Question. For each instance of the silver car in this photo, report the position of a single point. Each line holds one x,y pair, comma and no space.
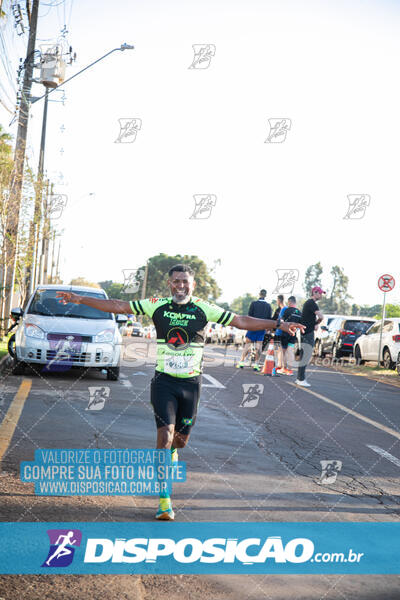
56,337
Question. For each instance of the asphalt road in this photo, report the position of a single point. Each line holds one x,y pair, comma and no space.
249,459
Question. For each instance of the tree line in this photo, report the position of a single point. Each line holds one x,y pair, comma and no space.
336,301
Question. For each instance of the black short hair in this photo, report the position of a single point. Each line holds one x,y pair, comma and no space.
280,297
292,299
182,269
263,292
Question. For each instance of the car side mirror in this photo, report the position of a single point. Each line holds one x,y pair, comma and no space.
17,313
121,319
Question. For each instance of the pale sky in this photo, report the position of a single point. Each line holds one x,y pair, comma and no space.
329,67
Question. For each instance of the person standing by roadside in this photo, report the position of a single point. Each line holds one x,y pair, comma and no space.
277,338
289,313
311,316
259,309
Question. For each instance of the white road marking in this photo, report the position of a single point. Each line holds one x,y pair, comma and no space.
126,383
321,371
388,430
214,383
387,455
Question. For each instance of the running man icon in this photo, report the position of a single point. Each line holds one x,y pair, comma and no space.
64,348
61,553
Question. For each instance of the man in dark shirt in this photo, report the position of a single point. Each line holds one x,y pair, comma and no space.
311,317
280,301
259,309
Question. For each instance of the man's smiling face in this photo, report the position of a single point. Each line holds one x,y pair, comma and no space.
181,285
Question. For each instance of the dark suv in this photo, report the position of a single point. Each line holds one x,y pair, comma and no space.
342,333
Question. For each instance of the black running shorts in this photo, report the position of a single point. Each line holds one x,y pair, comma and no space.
175,401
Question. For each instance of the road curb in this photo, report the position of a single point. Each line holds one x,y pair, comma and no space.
5,363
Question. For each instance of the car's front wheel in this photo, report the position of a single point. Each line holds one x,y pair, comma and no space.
318,350
357,356
387,360
18,366
113,373
11,346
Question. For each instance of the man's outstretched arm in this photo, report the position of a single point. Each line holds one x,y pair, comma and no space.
252,324
119,307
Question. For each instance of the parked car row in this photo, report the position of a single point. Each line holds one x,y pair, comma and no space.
340,334
367,345
136,329
217,334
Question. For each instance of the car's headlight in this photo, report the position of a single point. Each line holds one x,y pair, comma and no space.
34,331
105,336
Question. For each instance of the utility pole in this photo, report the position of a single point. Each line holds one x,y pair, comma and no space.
58,261
38,196
14,202
42,276
53,245
144,285
146,270
46,235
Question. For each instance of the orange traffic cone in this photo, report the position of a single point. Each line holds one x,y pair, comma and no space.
269,363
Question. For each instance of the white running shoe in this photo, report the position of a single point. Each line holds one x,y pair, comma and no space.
303,383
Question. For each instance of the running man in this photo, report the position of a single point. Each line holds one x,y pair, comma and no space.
260,309
180,322
61,549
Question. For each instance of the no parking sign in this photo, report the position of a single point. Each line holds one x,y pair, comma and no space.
386,283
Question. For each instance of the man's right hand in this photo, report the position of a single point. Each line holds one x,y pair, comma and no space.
66,297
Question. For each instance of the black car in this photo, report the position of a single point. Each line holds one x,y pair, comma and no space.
342,333
137,330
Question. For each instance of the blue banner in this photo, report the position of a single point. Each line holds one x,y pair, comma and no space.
211,548
99,472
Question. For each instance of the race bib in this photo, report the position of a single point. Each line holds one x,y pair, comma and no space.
179,364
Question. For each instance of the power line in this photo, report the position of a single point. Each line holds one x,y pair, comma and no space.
4,56
52,5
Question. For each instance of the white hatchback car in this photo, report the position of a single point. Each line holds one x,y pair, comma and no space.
55,336
322,332
367,345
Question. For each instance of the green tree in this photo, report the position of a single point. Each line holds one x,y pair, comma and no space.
369,311
355,309
159,265
105,285
312,278
337,300
224,305
115,291
84,282
391,310
240,305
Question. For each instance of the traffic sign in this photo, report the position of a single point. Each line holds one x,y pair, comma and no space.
386,283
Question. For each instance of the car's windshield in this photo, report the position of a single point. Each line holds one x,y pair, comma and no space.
45,303
357,326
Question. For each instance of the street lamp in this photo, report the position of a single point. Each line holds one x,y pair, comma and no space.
52,72
121,48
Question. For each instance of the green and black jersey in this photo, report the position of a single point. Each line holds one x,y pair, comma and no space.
180,331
